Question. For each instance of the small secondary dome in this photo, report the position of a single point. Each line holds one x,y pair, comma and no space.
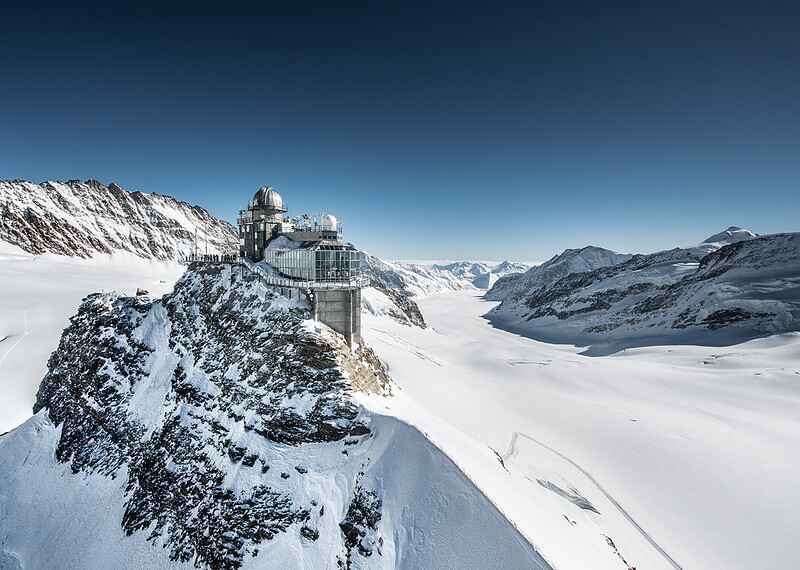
329,222
268,197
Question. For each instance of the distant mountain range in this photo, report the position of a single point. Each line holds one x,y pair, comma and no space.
734,285
87,218
394,285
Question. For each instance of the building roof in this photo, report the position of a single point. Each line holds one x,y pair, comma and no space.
267,197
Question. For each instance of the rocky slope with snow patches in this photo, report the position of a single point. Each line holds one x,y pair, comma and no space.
218,428
83,219
515,285
715,293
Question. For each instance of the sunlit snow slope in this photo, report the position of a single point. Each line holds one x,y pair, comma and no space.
668,456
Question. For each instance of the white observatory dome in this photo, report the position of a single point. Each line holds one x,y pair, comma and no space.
329,222
268,197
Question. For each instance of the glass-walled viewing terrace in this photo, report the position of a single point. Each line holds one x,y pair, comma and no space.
321,264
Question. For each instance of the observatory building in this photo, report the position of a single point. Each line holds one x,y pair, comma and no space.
305,256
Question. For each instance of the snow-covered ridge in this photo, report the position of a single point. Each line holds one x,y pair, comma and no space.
731,235
516,285
83,219
716,293
217,428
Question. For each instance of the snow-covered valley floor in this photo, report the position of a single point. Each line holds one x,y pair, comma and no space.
688,454
659,457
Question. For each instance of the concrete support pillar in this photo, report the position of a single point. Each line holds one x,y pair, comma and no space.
340,309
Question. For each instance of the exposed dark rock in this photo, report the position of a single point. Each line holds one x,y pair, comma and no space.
309,533
217,358
360,524
725,317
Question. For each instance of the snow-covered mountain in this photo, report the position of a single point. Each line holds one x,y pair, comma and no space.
83,219
482,275
219,427
731,235
394,285
516,285
467,270
731,287
508,267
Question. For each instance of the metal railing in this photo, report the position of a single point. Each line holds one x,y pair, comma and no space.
210,258
277,280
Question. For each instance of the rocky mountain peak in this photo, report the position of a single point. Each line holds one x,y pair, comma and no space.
732,234
569,261
83,219
194,391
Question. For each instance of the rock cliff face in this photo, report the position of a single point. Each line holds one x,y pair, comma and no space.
218,428
83,219
710,294
172,389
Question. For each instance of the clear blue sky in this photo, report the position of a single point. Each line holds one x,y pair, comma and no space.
461,130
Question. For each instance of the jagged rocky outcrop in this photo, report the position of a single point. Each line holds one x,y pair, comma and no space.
87,218
715,293
218,427
360,525
171,389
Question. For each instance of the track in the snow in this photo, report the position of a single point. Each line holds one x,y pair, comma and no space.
512,448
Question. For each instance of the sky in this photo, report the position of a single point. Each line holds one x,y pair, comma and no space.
434,130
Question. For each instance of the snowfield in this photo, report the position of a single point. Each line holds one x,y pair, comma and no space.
634,457
682,456
38,294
